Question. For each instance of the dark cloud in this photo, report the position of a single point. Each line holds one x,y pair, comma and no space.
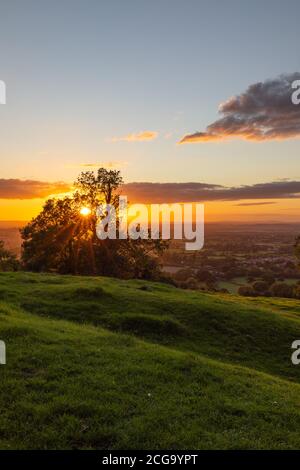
263,112
161,192
167,192
30,189
189,192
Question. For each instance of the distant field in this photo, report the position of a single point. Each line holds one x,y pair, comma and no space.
99,363
233,285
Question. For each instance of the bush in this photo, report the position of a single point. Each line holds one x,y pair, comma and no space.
269,279
281,289
190,283
260,287
205,276
296,291
247,291
183,274
8,260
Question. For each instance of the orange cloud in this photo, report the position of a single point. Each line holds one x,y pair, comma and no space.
138,137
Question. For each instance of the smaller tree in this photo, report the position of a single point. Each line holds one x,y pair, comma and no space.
260,287
8,260
204,275
247,291
281,289
296,291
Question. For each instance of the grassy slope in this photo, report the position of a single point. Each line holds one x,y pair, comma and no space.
179,370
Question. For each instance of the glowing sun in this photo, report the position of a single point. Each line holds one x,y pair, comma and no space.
85,211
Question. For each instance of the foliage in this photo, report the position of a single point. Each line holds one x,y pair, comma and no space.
60,239
247,291
277,289
8,260
281,289
205,276
183,274
297,291
260,286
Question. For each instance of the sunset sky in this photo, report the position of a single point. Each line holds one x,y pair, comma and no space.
164,91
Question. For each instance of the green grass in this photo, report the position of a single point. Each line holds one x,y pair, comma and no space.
99,363
233,285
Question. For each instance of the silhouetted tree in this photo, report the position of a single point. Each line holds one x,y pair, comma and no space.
61,239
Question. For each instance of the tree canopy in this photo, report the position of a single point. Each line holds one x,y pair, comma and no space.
63,240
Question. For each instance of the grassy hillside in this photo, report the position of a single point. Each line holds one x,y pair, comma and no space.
102,363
